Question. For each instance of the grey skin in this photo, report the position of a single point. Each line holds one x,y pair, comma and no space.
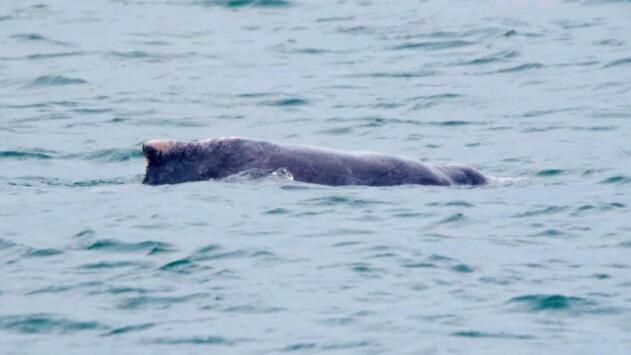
170,162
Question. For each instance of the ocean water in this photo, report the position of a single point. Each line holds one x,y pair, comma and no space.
536,93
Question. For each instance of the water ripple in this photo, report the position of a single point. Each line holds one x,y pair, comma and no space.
244,3
554,303
550,172
129,329
543,211
37,253
141,302
502,335
114,265
197,340
433,45
150,247
56,80
335,200
623,61
617,179
521,68
287,102
25,154
35,37
6,244
31,181
46,324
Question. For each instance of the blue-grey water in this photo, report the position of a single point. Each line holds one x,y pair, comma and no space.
534,92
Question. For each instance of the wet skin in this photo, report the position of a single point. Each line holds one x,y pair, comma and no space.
170,162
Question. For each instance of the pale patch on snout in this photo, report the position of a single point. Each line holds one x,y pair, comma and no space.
160,145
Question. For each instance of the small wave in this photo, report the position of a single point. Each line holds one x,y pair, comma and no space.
252,309
56,80
114,265
615,63
65,288
338,131
282,48
454,218
478,334
300,347
287,102
554,303
441,258
132,54
365,268
125,290
310,51
354,30
347,345
609,42
159,302
544,211
550,172
492,58
521,68
25,154
424,102
36,253
395,74
418,265
244,3
100,182
504,180
462,268
335,200
180,266
6,244
335,19
31,181
213,252
277,211
451,123
34,37
551,232
197,340
150,57
129,329
539,113
45,324
617,179
54,55
92,111
110,155
194,261
64,103
433,45
455,203
601,276
113,245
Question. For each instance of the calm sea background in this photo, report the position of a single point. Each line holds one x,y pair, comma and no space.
537,93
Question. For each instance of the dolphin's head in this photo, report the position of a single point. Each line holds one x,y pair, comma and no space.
171,162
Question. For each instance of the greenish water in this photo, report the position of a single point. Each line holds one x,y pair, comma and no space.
536,93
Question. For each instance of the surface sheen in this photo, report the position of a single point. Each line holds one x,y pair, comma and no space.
533,92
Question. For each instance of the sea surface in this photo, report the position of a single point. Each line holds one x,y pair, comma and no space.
536,93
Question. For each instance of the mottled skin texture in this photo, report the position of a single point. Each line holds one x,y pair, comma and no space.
170,162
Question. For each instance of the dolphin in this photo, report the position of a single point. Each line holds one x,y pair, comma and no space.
173,162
